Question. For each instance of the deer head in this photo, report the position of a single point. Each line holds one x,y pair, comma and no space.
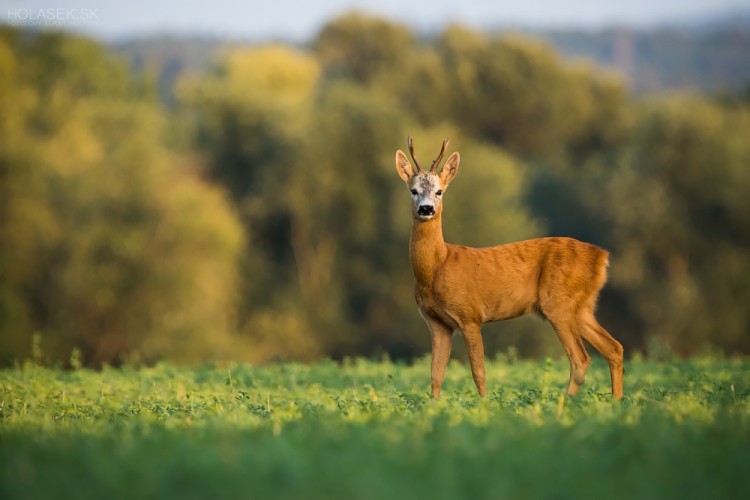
427,187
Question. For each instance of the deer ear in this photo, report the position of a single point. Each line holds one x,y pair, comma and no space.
450,169
403,166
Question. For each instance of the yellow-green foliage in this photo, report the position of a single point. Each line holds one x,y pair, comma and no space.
111,243
679,196
119,240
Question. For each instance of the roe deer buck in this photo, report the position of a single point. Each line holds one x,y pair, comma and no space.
461,288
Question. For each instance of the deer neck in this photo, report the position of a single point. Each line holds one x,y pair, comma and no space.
427,249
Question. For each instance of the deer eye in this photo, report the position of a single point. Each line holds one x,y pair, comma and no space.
439,192
414,192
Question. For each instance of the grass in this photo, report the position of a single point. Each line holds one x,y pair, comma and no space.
369,430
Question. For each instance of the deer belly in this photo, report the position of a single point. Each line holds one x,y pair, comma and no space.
460,307
498,307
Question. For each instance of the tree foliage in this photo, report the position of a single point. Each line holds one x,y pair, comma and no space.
109,245
679,205
274,227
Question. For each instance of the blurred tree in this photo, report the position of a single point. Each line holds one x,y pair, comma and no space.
252,117
344,224
517,93
107,246
112,243
251,111
360,47
678,203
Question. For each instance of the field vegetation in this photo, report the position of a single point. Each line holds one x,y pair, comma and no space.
363,429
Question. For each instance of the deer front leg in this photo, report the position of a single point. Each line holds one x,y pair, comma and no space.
441,353
475,349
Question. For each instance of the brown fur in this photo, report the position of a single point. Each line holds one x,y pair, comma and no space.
461,288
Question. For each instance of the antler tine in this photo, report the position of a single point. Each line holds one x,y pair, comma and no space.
440,156
410,142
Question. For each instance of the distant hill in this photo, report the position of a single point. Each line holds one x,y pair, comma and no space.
168,57
710,56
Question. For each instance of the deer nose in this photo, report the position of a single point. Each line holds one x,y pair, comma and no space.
425,210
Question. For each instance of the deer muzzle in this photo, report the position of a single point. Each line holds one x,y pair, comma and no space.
426,211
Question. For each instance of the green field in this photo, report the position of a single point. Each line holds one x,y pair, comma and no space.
363,429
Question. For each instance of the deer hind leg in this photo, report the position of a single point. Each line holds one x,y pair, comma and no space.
602,341
577,356
441,353
475,348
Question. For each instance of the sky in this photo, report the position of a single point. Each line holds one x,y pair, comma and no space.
299,20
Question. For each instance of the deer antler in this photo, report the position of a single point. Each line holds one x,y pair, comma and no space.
410,142
440,156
